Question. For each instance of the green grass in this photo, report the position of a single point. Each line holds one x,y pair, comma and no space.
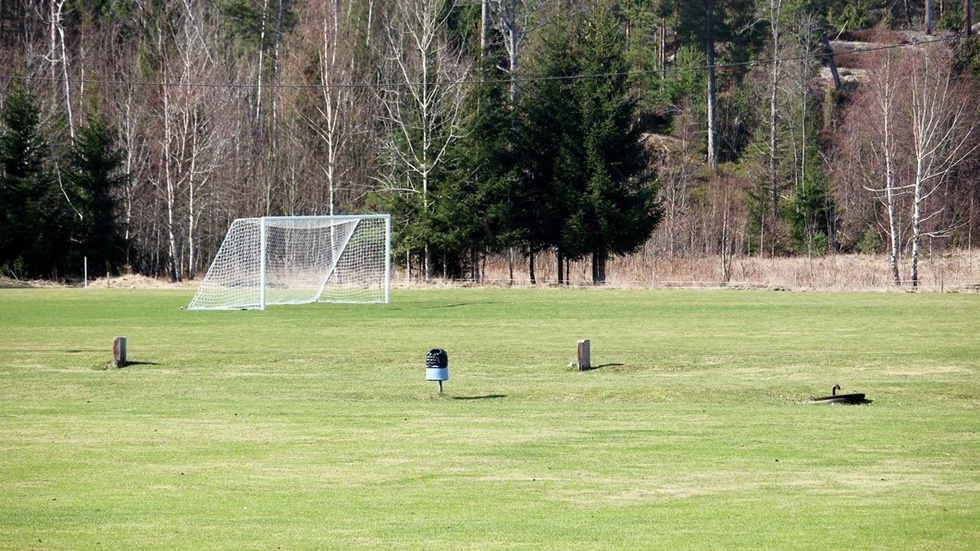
312,427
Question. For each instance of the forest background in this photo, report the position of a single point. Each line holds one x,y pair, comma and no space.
134,131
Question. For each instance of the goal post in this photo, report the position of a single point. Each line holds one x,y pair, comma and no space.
297,260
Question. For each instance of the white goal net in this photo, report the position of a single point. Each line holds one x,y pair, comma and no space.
299,259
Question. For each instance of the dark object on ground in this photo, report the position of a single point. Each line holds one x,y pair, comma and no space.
835,398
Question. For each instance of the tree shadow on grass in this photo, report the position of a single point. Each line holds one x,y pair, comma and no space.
484,397
455,305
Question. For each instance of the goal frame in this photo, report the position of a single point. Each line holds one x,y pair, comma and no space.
264,223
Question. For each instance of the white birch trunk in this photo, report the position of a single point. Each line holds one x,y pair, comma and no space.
710,53
943,124
260,76
774,21
59,56
890,187
170,187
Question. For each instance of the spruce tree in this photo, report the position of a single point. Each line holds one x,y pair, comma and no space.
31,221
475,200
549,150
619,210
95,171
589,189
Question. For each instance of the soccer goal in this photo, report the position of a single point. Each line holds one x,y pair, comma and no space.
297,260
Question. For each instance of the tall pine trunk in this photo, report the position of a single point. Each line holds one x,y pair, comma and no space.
599,258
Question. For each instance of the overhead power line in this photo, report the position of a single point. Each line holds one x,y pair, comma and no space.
519,80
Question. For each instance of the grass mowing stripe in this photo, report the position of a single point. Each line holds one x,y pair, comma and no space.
312,426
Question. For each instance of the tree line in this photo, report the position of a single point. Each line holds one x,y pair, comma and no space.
134,131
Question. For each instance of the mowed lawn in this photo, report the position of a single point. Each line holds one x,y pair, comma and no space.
312,427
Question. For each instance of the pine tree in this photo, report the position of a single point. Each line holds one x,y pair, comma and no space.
588,189
31,221
475,199
549,149
95,171
619,208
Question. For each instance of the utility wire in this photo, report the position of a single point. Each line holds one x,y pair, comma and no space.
464,82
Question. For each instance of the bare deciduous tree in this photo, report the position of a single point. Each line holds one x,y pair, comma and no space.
192,144
512,19
59,55
915,129
334,97
876,127
709,11
775,26
423,102
943,127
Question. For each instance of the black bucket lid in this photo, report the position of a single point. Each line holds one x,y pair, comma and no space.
436,357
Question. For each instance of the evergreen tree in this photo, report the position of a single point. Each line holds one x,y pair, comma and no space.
588,189
95,172
475,200
619,208
812,219
726,35
31,208
811,214
549,149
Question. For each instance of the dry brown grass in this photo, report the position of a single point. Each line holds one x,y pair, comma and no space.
954,272
125,281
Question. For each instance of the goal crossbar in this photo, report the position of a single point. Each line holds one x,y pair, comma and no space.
299,259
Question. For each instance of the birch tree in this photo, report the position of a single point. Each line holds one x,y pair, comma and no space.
422,110
943,128
191,148
332,96
58,55
917,129
263,25
132,126
883,150
512,20
775,27
709,15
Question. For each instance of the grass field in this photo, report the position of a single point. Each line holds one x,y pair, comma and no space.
312,427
